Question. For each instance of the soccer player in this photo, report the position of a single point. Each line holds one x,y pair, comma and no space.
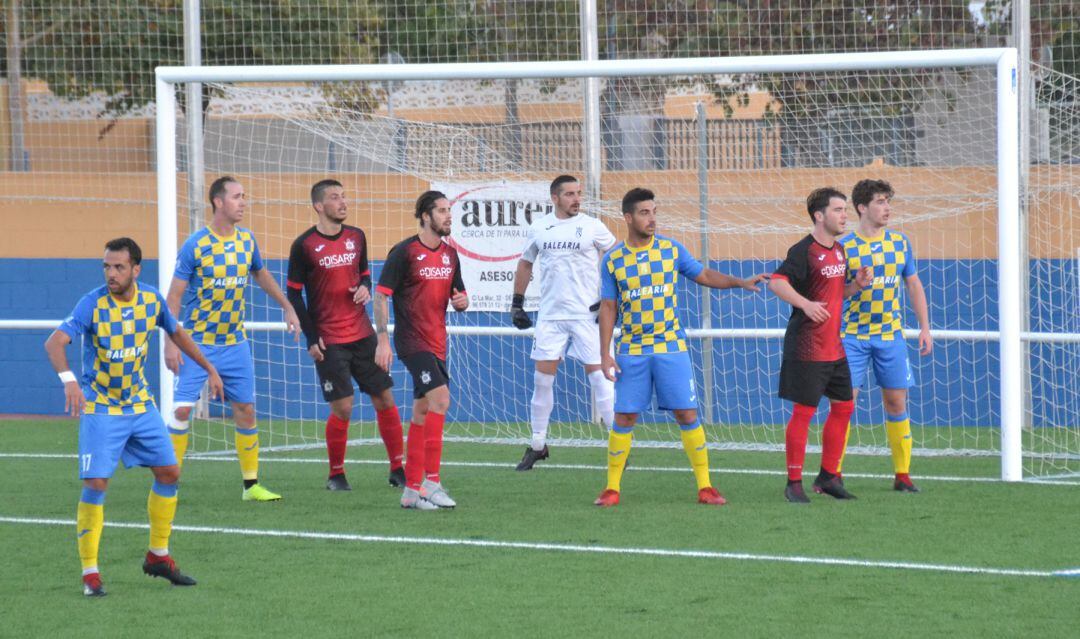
330,262
118,419
638,280
216,262
569,246
871,329
422,274
812,280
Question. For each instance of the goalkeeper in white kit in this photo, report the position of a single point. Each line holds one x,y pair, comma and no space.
569,247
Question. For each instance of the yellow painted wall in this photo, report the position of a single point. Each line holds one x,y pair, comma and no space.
72,214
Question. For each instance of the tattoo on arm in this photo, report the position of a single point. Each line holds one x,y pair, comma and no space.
382,313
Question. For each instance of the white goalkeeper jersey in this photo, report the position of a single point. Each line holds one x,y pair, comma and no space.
569,253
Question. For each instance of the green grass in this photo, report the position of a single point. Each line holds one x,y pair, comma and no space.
254,585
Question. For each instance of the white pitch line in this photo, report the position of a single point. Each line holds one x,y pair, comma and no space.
571,548
587,467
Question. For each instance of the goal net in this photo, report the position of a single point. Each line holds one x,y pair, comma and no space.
731,156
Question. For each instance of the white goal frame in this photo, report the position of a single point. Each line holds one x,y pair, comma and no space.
1003,60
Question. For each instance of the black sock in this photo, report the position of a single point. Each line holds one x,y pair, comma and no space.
248,483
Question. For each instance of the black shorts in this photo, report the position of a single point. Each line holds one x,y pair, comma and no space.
805,382
343,363
428,372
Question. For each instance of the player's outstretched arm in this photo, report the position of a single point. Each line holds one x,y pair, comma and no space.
56,348
173,361
266,282
783,289
188,347
383,354
917,297
716,279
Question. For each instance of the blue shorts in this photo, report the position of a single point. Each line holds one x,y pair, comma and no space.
889,356
671,375
232,362
137,440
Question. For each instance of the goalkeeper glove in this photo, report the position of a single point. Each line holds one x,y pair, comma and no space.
595,310
517,313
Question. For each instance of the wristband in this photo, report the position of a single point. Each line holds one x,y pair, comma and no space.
67,376
518,301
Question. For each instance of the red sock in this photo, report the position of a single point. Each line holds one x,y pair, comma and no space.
389,421
414,456
433,426
337,433
795,439
834,434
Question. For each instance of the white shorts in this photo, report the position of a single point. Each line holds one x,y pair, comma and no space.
551,337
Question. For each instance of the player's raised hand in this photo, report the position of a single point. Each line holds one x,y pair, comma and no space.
361,295
292,323
816,311
926,342
173,358
316,350
215,385
864,277
609,367
383,355
459,300
751,283
74,400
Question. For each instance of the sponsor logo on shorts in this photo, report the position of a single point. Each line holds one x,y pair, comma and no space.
328,386
425,377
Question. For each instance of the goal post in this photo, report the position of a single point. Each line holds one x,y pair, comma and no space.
1003,62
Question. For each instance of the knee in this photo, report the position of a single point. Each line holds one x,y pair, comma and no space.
342,408
440,404
382,401
167,474
842,409
685,417
98,483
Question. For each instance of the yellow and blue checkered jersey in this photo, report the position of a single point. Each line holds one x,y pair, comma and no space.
116,338
216,269
642,282
875,310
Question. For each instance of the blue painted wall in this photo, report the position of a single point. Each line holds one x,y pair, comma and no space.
957,385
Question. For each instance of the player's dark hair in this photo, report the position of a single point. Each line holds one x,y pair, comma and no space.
865,191
818,200
126,244
320,188
557,183
426,202
217,189
633,196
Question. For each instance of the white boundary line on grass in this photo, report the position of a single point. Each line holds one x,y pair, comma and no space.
656,469
572,548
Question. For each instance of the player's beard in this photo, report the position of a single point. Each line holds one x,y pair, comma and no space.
442,231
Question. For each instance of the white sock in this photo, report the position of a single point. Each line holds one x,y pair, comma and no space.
604,393
543,400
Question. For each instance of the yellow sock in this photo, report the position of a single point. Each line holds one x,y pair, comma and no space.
179,433
898,432
843,453
161,506
618,450
693,440
90,519
247,449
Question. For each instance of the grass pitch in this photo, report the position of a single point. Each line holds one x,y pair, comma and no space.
528,554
